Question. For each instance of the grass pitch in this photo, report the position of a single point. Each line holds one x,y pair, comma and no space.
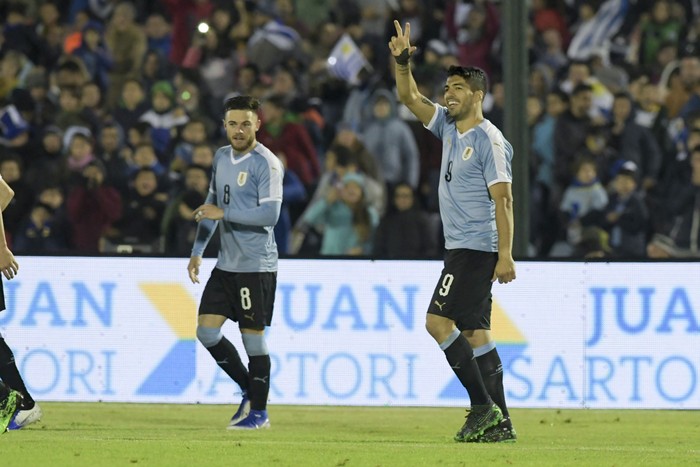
109,434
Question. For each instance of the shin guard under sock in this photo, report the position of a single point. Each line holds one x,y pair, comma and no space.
229,360
461,358
259,381
492,374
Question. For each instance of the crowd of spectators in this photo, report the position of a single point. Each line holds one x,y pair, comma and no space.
110,118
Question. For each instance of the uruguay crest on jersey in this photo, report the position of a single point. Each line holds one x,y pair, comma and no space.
242,177
468,151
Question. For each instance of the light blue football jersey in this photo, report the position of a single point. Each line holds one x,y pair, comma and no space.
471,162
244,182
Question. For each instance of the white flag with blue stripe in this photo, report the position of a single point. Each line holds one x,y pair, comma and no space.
346,60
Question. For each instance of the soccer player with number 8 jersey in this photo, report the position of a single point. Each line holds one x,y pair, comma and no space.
244,202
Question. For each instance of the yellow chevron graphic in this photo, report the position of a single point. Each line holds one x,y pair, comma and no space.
502,328
174,304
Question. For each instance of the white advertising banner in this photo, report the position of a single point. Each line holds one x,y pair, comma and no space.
598,335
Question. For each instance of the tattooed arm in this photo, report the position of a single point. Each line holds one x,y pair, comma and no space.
402,50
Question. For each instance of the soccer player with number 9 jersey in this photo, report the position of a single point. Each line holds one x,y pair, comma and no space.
476,208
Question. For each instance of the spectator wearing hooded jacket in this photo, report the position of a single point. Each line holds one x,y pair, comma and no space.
48,164
391,141
346,219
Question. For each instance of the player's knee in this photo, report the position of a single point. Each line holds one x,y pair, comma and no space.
209,337
254,344
430,328
478,337
439,328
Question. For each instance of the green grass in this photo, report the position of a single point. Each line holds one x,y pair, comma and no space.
109,434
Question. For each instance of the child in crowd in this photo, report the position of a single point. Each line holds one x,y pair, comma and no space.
194,132
582,196
626,218
164,118
132,104
203,155
145,157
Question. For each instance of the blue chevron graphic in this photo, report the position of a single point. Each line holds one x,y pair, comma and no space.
174,373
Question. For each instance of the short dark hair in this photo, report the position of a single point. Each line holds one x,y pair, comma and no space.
563,96
12,157
344,156
145,144
242,103
582,160
70,65
475,77
581,88
147,170
196,167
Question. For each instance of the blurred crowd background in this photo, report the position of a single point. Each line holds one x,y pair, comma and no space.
110,115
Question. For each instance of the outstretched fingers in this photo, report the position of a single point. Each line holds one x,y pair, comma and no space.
401,40
404,33
397,25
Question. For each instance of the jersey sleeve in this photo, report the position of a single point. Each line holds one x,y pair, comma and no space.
271,179
497,159
437,123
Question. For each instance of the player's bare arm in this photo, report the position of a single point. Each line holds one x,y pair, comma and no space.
401,49
8,264
6,194
502,195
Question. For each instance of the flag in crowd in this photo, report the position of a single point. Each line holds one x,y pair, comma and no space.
346,60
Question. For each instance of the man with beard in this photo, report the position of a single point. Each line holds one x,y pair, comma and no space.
476,207
244,201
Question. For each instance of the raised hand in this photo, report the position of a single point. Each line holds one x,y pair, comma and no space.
400,44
